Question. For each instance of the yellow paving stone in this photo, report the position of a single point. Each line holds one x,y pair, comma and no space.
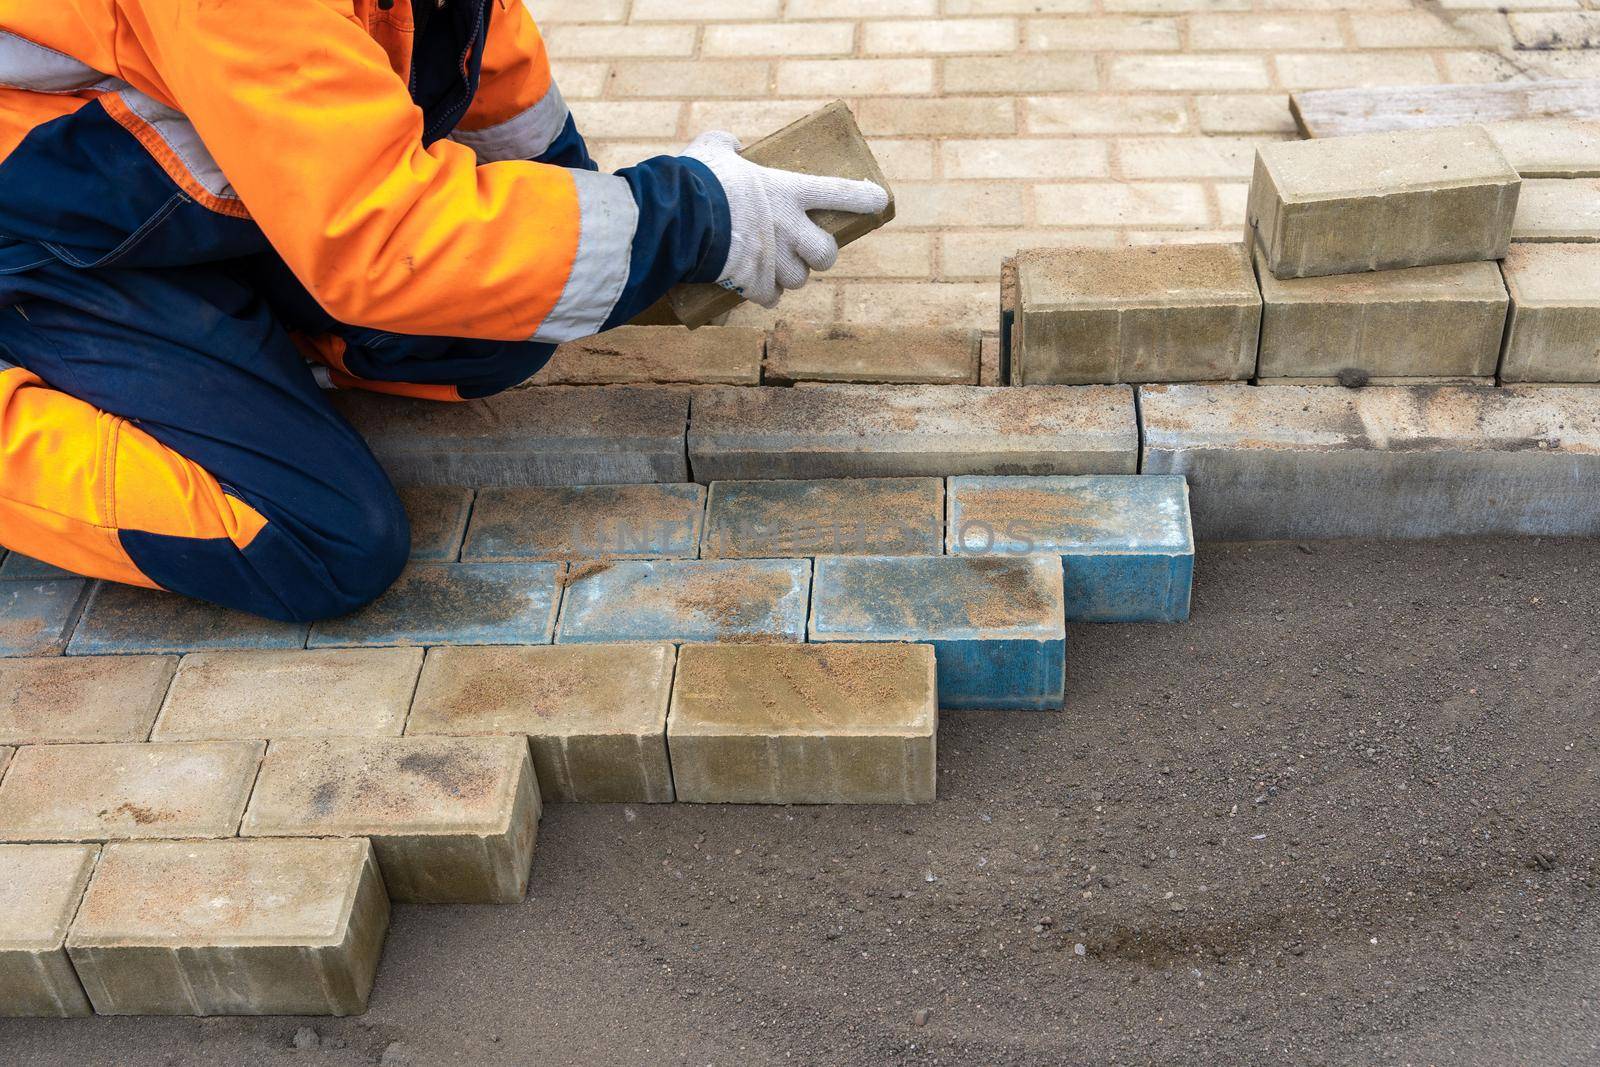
81,698
807,724
231,928
300,693
596,714
40,888
109,792
453,819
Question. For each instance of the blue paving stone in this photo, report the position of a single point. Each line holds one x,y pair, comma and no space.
454,604
687,600
124,619
438,517
587,522
1125,540
995,622
18,566
36,617
825,517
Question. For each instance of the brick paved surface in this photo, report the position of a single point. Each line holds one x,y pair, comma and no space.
1023,122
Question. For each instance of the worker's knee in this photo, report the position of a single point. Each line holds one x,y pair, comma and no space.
383,545
371,551
333,559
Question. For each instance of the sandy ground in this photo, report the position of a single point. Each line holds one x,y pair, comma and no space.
1348,814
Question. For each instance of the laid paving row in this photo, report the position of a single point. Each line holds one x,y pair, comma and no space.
675,562
427,765
787,355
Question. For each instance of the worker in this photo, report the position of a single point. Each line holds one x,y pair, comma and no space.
199,196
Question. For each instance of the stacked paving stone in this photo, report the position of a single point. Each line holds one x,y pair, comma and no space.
1397,258
1367,260
203,813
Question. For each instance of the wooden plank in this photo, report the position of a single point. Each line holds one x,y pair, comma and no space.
1546,129
1341,112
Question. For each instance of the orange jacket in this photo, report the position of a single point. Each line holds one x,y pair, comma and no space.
299,117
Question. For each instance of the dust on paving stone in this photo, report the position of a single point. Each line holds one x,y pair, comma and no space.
729,600
1006,592
141,814
446,592
577,572
1010,505
450,770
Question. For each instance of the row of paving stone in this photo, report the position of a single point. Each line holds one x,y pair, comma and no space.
850,560
241,860
1263,461
787,355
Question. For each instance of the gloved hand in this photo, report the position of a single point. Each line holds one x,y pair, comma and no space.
775,246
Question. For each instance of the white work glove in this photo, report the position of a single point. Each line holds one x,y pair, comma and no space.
775,246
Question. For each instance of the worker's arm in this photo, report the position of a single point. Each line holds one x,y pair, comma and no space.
518,112
323,144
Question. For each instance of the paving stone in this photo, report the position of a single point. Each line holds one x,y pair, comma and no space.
853,431
82,698
550,435
1158,313
36,618
1125,540
1555,313
438,517
729,355
40,889
895,354
453,819
1294,462
111,792
126,620
1381,201
17,566
454,604
336,692
1550,148
1439,321
231,928
825,517
5,760
804,724
596,714
827,142
997,623
687,600
586,522
1559,209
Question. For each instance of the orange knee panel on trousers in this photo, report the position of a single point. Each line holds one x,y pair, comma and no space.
73,477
